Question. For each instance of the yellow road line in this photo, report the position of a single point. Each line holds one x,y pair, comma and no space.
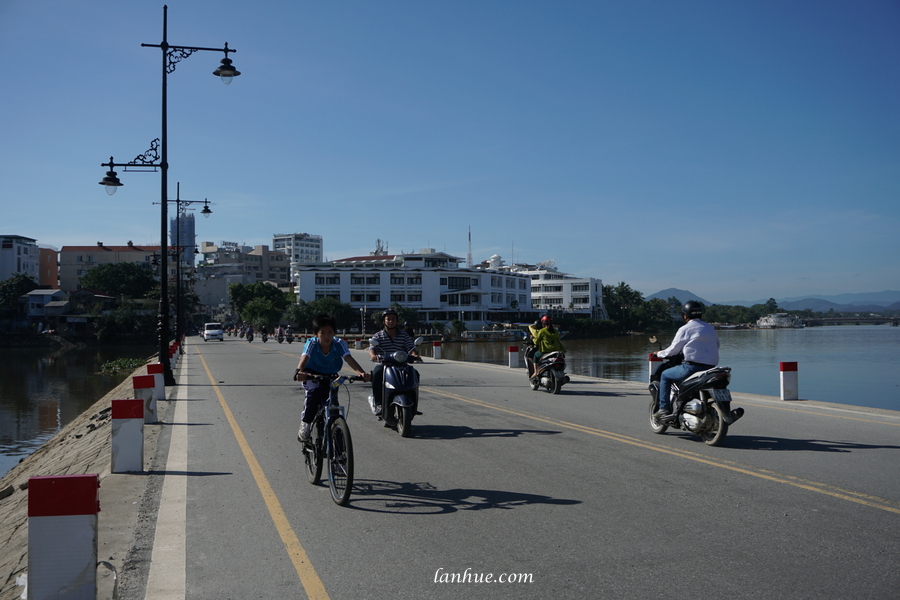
313,586
821,488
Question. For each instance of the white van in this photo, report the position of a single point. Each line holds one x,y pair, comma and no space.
213,331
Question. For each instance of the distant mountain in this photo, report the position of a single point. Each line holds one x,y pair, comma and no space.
682,295
858,301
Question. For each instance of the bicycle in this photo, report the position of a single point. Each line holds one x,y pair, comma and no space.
330,438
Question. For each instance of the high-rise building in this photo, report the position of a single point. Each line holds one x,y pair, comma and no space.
181,235
300,247
19,254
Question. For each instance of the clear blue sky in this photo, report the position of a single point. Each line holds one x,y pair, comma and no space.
739,150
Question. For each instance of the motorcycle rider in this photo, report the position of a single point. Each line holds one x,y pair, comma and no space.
699,342
390,339
530,350
547,339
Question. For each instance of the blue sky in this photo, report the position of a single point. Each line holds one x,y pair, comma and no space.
739,150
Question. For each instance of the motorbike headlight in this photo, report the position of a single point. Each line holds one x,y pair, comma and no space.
400,356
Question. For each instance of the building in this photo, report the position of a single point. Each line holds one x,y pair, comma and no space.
48,271
19,254
75,261
555,292
225,263
433,283
181,236
301,248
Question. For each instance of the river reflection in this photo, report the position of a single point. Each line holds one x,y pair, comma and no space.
854,365
45,389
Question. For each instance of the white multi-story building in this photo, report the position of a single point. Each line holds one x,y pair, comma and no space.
19,254
555,292
433,283
75,261
300,247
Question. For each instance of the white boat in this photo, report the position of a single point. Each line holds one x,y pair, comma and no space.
779,321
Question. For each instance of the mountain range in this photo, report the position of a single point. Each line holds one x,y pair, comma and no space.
860,302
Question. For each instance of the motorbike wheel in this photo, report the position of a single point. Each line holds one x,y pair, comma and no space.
534,382
656,425
312,456
552,383
340,463
403,416
715,435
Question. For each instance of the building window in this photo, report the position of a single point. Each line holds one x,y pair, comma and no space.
373,279
357,298
398,297
334,279
357,280
458,283
414,280
414,298
373,297
397,279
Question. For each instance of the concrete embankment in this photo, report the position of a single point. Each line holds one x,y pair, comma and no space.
81,447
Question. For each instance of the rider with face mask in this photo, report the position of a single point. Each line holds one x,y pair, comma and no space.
699,343
390,339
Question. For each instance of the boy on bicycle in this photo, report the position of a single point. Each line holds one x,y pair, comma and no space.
323,354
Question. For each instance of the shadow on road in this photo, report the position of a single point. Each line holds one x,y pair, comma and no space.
746,442
423,498
456,432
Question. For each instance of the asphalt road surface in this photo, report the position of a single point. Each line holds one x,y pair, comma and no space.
505,492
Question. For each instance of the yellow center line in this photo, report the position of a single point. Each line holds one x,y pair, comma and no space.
821,488
315,589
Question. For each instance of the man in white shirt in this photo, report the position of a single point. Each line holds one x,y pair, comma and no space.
699,342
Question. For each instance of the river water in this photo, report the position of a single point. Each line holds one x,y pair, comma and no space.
848,364
44,389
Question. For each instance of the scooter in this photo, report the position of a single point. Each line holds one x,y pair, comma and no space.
280,338
701,404
265,337
549,371
249,337
399,392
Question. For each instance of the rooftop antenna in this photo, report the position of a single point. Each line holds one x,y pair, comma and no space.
469,256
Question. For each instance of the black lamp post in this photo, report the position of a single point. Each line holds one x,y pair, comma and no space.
157,158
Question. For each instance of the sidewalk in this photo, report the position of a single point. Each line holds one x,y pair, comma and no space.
82,447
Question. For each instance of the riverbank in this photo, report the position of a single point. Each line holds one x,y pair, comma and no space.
81,447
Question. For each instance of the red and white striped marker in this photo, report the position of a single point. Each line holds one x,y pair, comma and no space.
436,346
144,389
62,536
790,388
159,384
513,357
127,435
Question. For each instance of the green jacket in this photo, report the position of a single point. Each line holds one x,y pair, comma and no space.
545,341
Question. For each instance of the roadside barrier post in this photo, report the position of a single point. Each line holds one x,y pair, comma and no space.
159,385
655,364
436,346
62,536
144,390
127,440
513,357
789,381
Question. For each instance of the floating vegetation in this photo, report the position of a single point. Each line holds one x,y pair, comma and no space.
122,364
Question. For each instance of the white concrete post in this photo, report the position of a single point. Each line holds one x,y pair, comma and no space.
437,350
159,385
144,386
62,536
789,381
655,364
127,435
513,357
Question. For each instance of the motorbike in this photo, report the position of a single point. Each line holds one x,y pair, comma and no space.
400,391
265,337
280,338
549,371
701,404
249,337
290,338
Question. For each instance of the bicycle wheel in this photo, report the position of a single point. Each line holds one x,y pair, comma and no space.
340,462
312,454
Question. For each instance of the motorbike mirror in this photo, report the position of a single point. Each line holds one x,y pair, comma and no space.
652,339
373,342
419,340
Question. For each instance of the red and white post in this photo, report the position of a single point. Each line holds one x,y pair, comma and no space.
436,346
62,536
789,381
655,364
159,383
127,439
144,389
513,357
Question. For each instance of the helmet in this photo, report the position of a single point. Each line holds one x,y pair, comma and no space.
692,309
389,311
546,320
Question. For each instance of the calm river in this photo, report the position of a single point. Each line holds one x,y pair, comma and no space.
846,364
44,389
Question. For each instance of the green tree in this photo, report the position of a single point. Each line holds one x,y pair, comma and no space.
241,295
11,289
122,280
457,326
261,311
771,306
621,301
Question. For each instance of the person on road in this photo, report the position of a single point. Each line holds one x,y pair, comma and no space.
699,342
547,339
323,354
390,339
530,350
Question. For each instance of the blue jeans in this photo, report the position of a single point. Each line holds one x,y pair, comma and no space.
676,374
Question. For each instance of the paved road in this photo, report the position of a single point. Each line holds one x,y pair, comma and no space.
568,496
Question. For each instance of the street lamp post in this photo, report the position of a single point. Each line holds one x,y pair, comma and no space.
157,158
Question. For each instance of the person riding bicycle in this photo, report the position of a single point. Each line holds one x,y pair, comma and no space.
390,339
699,343
323,354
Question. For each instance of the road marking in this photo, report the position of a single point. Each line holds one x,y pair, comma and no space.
315,589
813,486
167,577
